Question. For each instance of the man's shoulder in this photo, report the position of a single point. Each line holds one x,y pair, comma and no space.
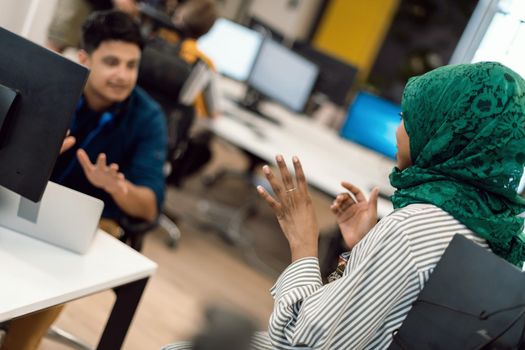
143,103
144,115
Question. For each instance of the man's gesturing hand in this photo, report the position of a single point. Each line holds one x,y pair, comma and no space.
101,175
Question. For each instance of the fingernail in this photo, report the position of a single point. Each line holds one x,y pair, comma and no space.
266,169
259,189
295,159
279,158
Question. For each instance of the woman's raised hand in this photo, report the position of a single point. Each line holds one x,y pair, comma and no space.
293,208
355,216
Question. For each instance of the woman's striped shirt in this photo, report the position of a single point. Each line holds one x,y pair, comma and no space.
383,277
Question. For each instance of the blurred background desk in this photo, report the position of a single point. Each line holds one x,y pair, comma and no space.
327,159
37,275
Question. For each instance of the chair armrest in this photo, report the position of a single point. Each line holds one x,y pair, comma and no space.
132,226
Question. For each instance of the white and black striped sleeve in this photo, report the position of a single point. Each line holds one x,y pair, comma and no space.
348,312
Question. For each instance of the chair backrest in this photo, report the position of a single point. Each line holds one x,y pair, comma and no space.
163,74
473,300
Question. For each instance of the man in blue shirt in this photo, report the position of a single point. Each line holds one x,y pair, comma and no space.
121,136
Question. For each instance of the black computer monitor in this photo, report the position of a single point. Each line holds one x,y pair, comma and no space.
335,76
232,48
39,90
372,122
283,75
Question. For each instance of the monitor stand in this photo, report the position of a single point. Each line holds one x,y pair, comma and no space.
64,217
251,101
17,206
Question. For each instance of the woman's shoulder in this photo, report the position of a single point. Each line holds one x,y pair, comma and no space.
393,228
418,214
427,231
424,219
418,223
418,210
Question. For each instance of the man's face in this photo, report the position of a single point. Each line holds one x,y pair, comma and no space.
114,69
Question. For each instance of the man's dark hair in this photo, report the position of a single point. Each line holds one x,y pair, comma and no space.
109,25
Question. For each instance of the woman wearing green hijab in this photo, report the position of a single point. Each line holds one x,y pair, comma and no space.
467,145
461,154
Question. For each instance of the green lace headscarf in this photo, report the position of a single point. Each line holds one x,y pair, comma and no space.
466,126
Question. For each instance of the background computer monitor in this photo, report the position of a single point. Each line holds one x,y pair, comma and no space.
232,48
372,122
283,75
335,76
47,88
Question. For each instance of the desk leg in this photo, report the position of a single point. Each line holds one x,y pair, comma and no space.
127,299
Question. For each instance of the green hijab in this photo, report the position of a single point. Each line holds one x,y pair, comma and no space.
466,125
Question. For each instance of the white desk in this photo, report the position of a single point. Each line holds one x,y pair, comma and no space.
327,159
36,275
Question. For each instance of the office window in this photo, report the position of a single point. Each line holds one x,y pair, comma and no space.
504,40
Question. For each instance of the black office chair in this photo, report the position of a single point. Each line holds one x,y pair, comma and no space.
163,74
168,79
134,230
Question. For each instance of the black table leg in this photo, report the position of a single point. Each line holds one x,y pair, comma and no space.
127,299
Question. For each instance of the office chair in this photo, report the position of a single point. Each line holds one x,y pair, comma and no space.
134,230
169,79
174,84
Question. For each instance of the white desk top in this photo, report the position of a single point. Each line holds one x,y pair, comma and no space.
35,275
327,159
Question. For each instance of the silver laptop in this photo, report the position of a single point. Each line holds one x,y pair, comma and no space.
64,217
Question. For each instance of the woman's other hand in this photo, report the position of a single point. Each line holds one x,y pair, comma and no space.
355,216
293,208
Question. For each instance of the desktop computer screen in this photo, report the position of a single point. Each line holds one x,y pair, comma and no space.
372,122
232,47
39,90
283,75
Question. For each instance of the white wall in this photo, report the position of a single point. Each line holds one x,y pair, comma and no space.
12,14
293,18
29,18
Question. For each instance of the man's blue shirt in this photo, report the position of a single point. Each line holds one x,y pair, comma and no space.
132,134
